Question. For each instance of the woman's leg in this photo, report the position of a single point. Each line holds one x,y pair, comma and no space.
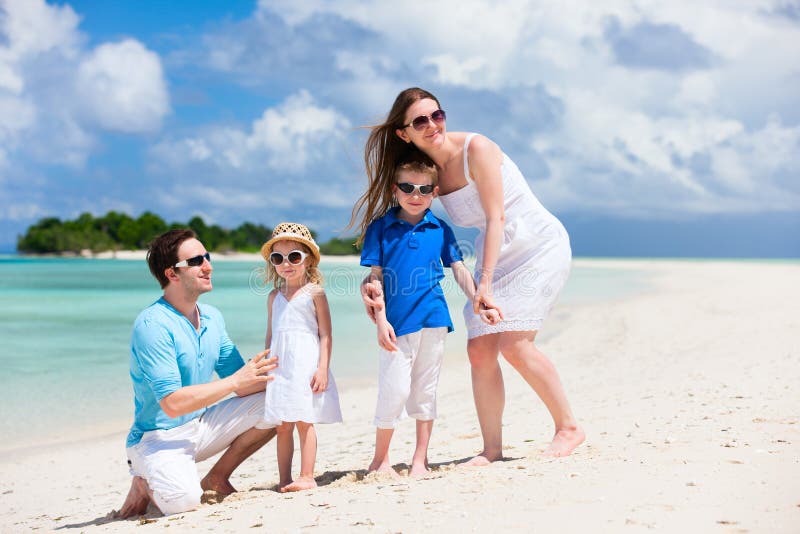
519,350
308,456
285,448
488,391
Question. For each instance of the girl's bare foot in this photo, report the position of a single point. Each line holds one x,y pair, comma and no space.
302,483
564,442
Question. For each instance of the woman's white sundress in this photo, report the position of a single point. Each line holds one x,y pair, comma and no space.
295,341
535,255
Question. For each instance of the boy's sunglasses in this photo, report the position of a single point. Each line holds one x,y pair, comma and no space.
295,257
421,122
195,261
409,189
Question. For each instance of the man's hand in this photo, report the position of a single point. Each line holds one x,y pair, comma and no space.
319,382
386,337
372,295
254,373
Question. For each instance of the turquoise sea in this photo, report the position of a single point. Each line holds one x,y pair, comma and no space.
65,329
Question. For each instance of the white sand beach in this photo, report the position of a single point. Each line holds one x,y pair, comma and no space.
688,395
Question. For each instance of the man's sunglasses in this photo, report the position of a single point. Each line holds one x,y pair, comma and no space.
421,122
409,189
195,261
295,257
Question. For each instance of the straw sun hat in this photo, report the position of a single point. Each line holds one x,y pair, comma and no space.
288,231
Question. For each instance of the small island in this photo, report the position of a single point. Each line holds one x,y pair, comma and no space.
115,231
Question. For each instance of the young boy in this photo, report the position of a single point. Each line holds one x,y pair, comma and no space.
406,249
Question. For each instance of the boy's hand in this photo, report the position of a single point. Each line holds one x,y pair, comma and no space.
319,382
386,337
372,295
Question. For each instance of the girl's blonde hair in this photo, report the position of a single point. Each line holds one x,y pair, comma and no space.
383,152
313,274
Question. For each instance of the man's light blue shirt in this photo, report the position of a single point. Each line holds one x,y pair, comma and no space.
167,353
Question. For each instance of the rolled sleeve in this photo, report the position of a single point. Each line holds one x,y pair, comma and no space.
154,349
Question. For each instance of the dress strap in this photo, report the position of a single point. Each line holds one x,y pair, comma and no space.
466,152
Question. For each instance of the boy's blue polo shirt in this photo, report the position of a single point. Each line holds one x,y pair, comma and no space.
411,258
167,353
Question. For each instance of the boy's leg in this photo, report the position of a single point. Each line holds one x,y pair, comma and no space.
308,456
421,404
285,451
419,463
394,382
380,462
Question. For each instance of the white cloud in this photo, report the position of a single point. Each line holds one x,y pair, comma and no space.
122,87
58,95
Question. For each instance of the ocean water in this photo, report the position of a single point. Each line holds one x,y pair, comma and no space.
65,327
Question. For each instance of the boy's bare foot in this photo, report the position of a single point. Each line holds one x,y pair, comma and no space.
302,483
136,502
419,471
383,469
220,485
564,442
483,459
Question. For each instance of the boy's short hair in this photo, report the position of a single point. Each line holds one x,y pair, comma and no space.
420,168
162,253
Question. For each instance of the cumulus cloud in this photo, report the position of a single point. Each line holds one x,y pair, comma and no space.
60,93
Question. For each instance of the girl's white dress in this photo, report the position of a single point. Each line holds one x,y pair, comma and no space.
535,255
295,341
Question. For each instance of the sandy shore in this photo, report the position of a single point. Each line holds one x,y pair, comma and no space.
688,395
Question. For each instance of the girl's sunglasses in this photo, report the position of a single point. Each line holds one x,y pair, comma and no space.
295,257
421,122
409,189
195,261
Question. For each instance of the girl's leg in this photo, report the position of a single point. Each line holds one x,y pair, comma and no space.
419,463
308,456
285,447
380,462
489,392
538,371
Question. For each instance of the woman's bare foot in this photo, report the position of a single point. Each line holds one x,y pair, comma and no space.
136,502
220,485
302,483
564,442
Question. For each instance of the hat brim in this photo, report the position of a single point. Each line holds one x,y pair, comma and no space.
266,248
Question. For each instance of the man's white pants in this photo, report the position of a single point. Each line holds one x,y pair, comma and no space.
166,458
407,378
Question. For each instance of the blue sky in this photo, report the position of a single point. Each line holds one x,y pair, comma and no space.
649,128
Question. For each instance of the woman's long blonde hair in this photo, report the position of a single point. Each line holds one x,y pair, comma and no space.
313,274
383,152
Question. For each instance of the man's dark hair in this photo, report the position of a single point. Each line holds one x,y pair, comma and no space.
162,253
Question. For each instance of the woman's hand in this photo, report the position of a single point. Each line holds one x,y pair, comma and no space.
483,300
372,295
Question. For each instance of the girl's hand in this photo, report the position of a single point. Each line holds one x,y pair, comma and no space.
372,295
319,382
386,338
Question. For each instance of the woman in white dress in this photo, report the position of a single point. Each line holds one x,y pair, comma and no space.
523,257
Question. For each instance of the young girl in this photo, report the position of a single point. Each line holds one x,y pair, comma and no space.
406,249
299,334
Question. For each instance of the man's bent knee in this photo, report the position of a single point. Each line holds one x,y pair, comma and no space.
177,502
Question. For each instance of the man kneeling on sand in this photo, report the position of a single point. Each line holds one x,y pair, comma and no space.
177,345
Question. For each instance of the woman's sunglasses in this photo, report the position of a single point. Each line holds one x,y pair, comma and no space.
409,189
421,122
195,261
295,257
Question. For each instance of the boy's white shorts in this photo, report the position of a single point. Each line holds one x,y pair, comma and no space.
407,378
166,458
